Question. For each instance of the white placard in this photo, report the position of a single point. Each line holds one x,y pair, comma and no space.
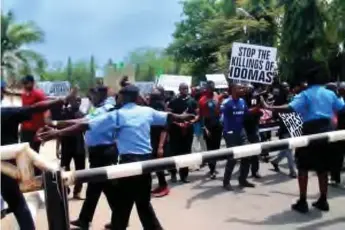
145,87
54,88
172,82
253,63
218,79
293,123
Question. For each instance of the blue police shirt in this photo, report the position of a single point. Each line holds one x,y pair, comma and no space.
132,124
233,112
94,137
316,102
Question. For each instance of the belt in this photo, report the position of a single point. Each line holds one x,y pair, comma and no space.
129,157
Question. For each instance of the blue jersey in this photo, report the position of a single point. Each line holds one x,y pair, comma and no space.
233,113
315,103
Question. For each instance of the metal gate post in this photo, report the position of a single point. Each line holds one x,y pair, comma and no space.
56,201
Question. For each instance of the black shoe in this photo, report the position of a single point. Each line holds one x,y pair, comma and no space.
300,206
246,184
256,176
228,187
213,176
185,181
275,166
107,226
173,179
80,224
321,204
293,175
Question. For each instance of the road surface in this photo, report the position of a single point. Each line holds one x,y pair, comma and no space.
204,205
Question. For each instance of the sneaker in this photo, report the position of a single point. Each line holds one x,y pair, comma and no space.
300,206
79,224
321,204
163,191
156,190
275,166
246,184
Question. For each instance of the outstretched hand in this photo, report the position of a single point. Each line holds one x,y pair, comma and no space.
47,133
263,103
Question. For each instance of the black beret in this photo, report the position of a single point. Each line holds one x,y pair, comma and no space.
129,89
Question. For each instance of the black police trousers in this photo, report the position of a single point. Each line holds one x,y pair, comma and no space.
134,190
99,156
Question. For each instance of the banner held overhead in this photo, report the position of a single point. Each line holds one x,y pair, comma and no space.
218,79
253,63
172,82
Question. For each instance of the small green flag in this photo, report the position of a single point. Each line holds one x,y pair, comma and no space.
159,72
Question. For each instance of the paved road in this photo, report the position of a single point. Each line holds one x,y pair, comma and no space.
204,205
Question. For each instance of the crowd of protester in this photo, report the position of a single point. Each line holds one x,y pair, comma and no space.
121,128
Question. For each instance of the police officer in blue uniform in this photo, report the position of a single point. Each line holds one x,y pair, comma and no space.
102,152
317,106
132,124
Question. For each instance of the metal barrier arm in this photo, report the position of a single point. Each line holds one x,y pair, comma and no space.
196,159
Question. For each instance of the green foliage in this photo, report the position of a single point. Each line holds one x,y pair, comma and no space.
15,59
150,62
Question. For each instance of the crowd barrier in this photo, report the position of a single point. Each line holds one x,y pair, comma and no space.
55,181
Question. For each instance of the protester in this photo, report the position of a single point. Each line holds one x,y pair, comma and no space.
129,121
199,141
73,147
159,140
339,151
210,117
316,105
234,110
282,99
251,125
30,96
11,118
181,133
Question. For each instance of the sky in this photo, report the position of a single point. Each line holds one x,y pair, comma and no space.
104,28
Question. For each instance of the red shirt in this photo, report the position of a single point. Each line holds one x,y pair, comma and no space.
204,108
29,98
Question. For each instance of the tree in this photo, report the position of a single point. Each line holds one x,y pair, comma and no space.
15,58
149,62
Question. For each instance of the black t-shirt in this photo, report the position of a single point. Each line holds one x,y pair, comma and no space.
72,142
180,105
156,130
11,117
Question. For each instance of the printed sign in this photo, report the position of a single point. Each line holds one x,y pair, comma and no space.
252,63
293,122
218,79
172,82
145,87
56,88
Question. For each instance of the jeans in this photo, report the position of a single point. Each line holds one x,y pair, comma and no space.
289,156
11,193
236,139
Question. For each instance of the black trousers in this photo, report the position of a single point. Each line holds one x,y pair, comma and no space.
29,136
232,140
11,193
254,137
99,156
69,153
213,142
135,190
181,143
